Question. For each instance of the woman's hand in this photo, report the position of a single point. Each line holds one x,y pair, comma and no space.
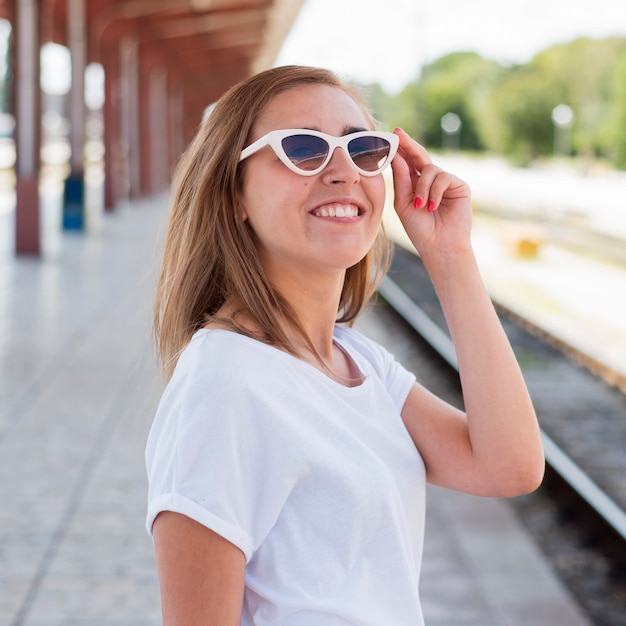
434,206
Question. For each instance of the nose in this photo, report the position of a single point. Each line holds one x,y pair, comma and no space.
341,168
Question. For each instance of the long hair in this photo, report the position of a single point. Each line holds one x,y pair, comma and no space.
210,256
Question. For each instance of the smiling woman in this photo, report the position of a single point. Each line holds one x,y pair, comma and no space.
288,457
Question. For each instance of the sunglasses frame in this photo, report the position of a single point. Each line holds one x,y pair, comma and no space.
274,140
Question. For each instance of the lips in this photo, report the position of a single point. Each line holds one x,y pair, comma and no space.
337,209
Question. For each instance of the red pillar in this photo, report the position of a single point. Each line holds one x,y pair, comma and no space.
28,129
130,113
144,140
114,187
153,106
158,132
74,200
175,125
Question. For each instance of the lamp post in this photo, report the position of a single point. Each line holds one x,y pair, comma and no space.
451,130
563,120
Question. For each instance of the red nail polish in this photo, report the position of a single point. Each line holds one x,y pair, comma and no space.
418,202
431,206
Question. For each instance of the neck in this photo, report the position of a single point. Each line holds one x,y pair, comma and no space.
316,311
315,303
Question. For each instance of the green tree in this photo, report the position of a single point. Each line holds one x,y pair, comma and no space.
616,128
508,110
522,106
442,95
583,70
456,83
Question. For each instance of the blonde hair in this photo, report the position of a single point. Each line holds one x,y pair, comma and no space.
210,256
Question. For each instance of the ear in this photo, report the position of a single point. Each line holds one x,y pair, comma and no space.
241,210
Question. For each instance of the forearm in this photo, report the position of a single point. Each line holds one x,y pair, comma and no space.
502,426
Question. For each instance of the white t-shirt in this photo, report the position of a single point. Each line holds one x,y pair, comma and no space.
319,484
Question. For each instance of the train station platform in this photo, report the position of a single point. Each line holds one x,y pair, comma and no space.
78,389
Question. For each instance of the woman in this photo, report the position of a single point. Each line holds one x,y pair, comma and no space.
289,454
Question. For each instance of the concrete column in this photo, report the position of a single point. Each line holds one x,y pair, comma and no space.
130,113
146,143
113,161
28,131
158,130
176,125
74,200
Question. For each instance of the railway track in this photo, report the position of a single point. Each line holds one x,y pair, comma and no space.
581,405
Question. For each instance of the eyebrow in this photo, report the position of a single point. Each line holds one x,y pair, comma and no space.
347,130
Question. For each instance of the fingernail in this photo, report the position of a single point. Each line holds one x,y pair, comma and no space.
431,206
418,202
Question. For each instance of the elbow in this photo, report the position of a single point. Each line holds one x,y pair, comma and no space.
508,481
524,480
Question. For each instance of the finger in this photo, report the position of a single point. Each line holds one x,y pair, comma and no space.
438,188
414,153
428,191
444,186
403,181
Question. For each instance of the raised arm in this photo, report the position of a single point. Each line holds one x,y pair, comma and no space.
494,449
201,574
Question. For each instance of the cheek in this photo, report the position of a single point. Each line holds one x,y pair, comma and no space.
263,207
274,193
378,194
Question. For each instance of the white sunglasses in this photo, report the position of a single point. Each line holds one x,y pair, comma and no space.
307,152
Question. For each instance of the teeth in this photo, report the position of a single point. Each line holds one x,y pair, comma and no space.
338,210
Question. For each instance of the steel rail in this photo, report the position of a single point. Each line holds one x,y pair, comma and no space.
556,458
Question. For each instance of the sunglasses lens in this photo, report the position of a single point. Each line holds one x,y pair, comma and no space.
369,153
306,152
